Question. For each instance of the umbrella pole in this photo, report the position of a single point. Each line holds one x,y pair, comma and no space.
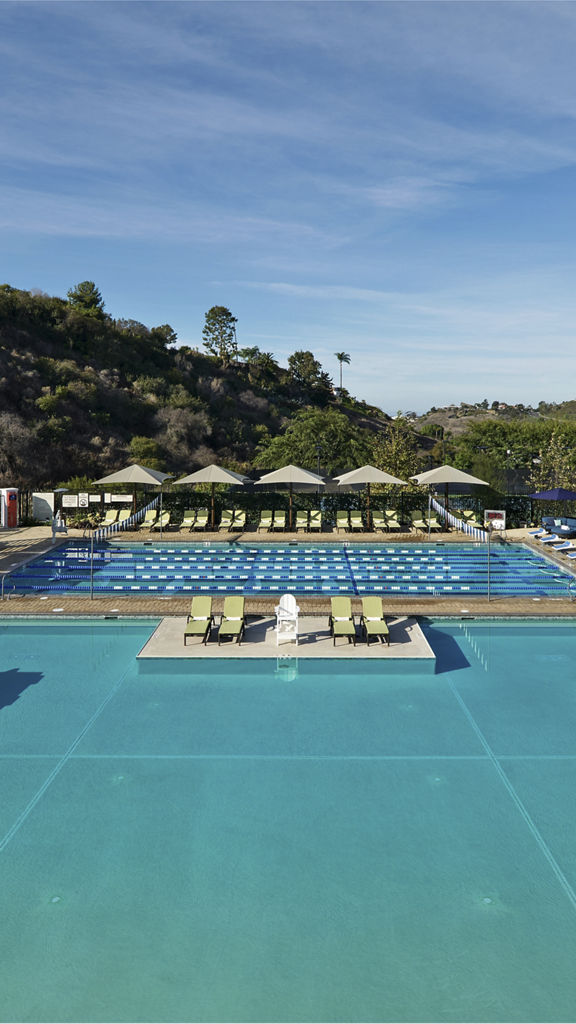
368,506
429,510
213,509
446,501
290,510
160,511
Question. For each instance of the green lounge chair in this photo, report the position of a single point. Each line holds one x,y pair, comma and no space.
342,521
201,521
468,516
301,520
432,523
392,520
200,619
279,522
233,623
356,522
124,514
150,518
378,521
189,519
163,522
418,521
239,520
372,621
110,517
226,519
341,621
315,520
266,518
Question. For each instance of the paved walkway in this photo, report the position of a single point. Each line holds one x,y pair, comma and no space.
25,543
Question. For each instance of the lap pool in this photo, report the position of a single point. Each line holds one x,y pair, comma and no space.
215,842
428,569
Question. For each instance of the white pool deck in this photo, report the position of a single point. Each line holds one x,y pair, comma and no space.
407,641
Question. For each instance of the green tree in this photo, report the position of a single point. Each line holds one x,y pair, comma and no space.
219,333
341,444
309,380
262,366
146,452
394,450
342,357
556,462
86,298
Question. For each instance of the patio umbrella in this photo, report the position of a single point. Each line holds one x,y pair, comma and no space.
213,475
136,474
290,476
447,475
556,494
367,475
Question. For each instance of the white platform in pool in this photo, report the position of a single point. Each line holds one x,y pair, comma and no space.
407,641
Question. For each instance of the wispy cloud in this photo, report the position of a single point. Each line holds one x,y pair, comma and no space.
392,179
126,217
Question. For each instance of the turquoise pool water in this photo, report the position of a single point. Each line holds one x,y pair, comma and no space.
428,569
225,842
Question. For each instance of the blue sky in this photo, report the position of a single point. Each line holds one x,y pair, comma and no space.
393,180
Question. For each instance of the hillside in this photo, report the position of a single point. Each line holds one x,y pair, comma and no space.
82,394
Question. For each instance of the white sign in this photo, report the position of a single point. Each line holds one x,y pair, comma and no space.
120,497
83,500
95,499
496,518
69,501
43,505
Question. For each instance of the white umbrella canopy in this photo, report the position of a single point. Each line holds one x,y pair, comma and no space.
288,476
367,475
135,474
213,475
447,475
291,475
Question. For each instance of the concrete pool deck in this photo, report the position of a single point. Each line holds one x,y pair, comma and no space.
25,543
407,641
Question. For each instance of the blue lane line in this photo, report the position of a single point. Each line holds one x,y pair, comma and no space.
351,571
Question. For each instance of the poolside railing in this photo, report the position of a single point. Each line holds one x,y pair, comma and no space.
126,524
472,531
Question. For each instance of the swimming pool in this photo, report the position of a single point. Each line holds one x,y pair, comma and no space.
194,842
428,569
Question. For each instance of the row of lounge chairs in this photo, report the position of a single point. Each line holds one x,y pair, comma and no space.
232,626
421,521
563,545
200,620
307,521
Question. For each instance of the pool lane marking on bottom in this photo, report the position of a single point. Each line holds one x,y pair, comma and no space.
350,570
289,757
58,767
544,848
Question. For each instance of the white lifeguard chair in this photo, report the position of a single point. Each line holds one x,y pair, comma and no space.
287,618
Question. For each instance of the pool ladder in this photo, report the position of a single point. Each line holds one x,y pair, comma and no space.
4,574
286,668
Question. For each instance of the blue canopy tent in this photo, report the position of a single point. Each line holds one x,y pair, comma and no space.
556,494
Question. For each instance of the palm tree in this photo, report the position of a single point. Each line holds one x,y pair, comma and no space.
342,357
